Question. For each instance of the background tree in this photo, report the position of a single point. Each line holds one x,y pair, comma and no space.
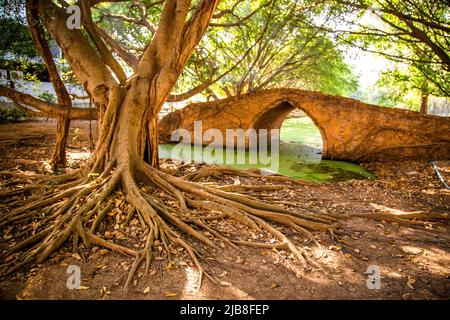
401,86
414,32
32,42
272,48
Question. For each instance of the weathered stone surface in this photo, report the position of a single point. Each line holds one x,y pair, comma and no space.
351,130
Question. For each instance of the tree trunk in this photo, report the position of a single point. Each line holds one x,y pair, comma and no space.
127,136
63,122
58,159
424,103
153,142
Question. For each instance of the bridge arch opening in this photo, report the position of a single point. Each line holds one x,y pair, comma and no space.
299,132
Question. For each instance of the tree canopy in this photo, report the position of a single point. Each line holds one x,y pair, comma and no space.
413,32
252,45
249,46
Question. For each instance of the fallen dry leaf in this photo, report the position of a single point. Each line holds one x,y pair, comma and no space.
170,265
412,250
223,274
119,235
169,295
336,275
104,291
410,282
76,256
103,252
336,247
108,235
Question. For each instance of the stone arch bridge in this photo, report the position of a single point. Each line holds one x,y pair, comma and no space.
351,130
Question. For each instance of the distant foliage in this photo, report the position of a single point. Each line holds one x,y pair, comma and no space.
413,34
47,96
16,39
12,115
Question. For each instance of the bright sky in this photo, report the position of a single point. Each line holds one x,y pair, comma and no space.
366,65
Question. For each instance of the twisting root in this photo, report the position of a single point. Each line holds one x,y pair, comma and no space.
219,171
75,206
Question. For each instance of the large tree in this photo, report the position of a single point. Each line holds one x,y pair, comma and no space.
126,153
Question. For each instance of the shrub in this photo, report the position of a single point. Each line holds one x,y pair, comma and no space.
12,115
47,96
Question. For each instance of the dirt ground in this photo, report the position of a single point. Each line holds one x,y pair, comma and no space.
413,258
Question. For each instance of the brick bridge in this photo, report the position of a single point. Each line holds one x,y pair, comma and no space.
351,130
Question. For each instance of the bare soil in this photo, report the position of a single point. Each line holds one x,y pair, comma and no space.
414,259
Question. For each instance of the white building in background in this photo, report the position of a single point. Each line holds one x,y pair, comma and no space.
439,106
34,88
37,88
15,79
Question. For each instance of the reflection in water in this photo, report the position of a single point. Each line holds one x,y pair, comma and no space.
300,156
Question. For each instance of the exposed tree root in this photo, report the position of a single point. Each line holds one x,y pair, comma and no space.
74,207
218,171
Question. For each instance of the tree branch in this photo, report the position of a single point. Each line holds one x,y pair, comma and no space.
102,49
129,59
47,108
44,50
87,65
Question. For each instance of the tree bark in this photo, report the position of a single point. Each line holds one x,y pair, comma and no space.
59,158
424,103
